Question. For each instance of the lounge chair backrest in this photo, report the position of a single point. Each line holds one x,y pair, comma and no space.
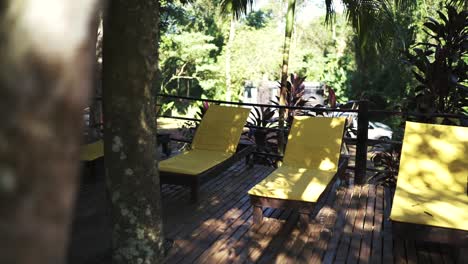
432,178
92,151
220,128
315,143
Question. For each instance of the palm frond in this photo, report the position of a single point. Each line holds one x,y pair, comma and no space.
236,7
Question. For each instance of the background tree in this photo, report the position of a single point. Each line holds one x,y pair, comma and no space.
43,91
284,71
130,57
234,8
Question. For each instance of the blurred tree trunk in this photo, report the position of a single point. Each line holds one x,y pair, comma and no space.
130,59
284,71
45,75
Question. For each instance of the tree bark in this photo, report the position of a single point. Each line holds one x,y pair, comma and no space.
130,59
45,75
284,71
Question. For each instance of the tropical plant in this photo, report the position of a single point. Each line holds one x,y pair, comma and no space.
294,96
262,133
440,65
389,163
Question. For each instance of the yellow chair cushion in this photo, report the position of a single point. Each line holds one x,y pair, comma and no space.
314,143
215,141
292,183
193,162
92,151
220,128
310,160
432,181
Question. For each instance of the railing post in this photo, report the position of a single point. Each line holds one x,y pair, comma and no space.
361,145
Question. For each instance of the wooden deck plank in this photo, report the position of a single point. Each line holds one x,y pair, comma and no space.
421,252
447,254
285,255
434,253
219,228
195,214
351,225
307,241
364,254
328,223
255,237
411,252
202,234
358,229
337,229
388,243
206,236
278,243
399,251
234,244
377,234
260,240
345,241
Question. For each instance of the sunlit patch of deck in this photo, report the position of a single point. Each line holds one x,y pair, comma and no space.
351,226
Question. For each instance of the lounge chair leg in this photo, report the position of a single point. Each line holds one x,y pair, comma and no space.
303,220
257,215
194,189
249,161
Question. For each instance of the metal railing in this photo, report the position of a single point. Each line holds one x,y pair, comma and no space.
361,141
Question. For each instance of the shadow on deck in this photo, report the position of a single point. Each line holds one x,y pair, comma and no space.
351,226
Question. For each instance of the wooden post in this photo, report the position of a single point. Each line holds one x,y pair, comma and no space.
361,145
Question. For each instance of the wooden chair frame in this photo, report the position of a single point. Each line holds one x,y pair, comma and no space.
304,208
194,181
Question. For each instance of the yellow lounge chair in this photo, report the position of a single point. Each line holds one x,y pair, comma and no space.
431,199
311,162
213,149
92,151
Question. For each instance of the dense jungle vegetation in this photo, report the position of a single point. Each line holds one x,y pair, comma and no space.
361,52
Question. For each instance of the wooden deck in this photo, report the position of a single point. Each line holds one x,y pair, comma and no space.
351,226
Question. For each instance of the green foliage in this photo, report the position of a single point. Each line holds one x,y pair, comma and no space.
262,135
236,7
258,19
389,163
440,65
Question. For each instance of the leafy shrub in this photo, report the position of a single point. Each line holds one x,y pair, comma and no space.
440,65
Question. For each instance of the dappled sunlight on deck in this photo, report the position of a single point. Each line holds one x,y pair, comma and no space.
351,225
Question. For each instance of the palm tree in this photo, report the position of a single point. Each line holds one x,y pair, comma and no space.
284,71
234,8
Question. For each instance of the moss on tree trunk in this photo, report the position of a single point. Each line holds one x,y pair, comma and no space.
129,64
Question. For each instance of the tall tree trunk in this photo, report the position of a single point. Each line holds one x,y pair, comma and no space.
232,33
130,62
284,71
45,75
